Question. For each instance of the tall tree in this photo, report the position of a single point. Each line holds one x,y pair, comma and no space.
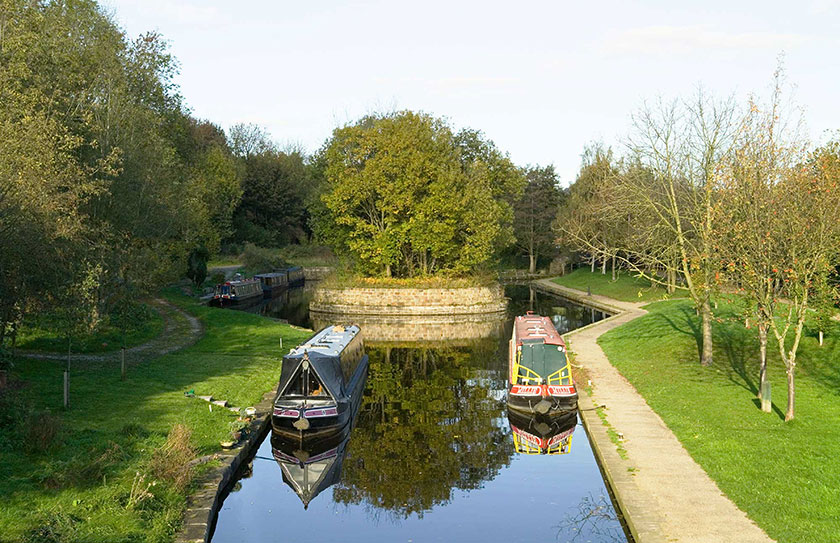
535,212
409,198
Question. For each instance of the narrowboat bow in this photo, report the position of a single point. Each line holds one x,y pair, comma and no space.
540,376
321,385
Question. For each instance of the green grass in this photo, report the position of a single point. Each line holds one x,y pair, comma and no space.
626,287
785,476
70,489
40,335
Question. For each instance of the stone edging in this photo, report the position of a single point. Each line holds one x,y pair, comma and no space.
203,505
409,301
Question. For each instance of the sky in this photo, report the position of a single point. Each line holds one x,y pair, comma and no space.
540,79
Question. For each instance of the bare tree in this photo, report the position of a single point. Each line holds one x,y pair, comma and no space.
779,217
665,196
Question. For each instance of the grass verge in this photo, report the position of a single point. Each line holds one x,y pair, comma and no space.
91,479
785,476
626,287
40,334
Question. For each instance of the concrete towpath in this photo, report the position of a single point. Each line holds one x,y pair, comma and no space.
180,330
663,493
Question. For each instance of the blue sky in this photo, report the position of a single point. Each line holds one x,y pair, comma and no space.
541,79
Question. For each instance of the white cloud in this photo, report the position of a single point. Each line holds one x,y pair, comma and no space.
678,40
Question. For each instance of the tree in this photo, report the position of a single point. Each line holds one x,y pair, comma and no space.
667,194
586,221
535,212
275,189
247,139
405,198
781,229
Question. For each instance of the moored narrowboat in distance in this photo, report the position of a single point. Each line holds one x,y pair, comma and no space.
237,291
295,275
273,283
538,434
321,385
540,375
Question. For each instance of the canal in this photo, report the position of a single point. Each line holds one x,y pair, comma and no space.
433,456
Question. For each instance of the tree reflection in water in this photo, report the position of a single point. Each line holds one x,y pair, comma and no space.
594,520
430,423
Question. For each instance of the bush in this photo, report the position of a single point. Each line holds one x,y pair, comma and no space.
258,259
171,462
197,264
43,427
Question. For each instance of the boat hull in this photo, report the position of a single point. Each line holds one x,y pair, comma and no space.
325,423
542,400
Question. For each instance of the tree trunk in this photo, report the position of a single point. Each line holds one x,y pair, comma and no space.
706,318
532,266
387,270
593,263
613,268
762,373
604,265
791,392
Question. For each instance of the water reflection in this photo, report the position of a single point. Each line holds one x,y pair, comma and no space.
542,435
290,305
594,519
309,470
565,314
430,409
433,456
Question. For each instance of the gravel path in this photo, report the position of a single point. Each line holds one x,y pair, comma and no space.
180,330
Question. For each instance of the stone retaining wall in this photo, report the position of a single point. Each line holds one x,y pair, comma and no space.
203,505
409,301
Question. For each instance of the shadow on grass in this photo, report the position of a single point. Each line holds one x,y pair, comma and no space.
735,351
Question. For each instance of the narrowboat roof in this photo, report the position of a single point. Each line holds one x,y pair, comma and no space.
240,282
271,274
532,328
329,341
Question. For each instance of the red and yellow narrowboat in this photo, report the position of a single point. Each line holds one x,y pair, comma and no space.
540,376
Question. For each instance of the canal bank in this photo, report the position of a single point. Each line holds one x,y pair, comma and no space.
665,496
434,452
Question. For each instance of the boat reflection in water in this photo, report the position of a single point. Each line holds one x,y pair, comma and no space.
537,434
309,469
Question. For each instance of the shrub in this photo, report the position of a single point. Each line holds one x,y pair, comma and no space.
259,259
171,462
42,429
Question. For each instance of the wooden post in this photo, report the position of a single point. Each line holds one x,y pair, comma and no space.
766,401
821,338
122,364
66,389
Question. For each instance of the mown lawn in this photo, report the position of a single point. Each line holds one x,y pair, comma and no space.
626,287
43,334
78,489
785,476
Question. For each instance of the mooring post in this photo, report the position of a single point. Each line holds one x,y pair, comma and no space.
66,389
766,400
122,364
588,291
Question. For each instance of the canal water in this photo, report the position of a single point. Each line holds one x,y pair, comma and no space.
433,457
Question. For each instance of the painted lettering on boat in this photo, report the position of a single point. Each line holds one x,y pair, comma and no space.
317,413
292,413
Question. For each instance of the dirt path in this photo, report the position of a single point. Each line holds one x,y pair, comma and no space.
664,493
180,330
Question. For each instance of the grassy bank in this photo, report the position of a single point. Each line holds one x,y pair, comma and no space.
626,287
42,333
77,486
785,476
